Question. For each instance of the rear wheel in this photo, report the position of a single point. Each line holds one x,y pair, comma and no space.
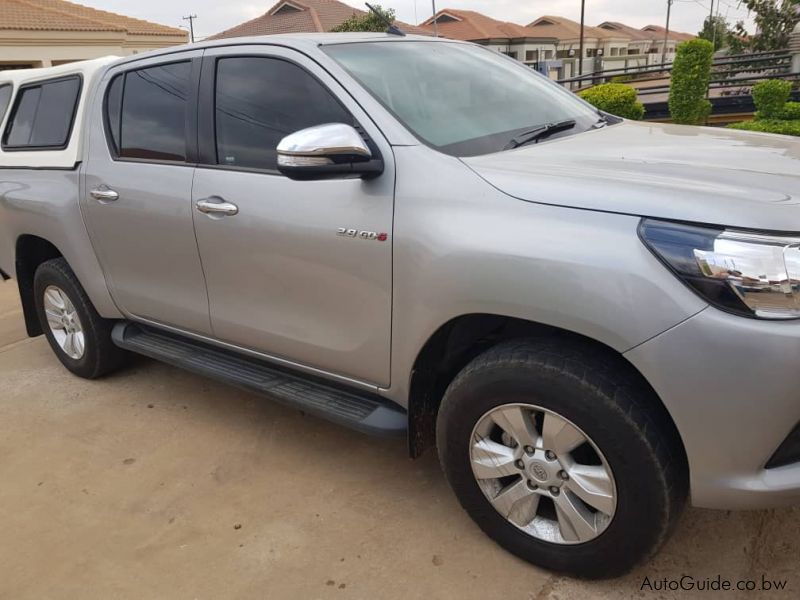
80,338
560,458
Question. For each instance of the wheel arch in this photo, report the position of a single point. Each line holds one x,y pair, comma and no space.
453,345
30,252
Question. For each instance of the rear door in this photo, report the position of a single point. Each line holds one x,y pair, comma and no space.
281,279
138,186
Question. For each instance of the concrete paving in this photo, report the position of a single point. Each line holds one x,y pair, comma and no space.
155,483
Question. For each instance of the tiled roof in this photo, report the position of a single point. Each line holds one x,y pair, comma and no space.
301,16
656,32
636,35
59,15
471,25
567,29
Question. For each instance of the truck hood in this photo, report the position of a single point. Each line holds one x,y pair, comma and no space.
698,174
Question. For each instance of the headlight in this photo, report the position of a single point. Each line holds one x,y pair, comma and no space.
749,274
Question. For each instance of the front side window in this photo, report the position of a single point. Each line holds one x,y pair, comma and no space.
146,112
259,101
461,99
43,114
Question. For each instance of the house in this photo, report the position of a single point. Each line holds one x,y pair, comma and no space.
657,35
511,39
639,42
302,16
44,33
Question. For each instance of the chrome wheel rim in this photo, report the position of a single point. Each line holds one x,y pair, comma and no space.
543,474
64,323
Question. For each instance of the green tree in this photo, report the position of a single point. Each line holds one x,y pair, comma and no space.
774,20
688,86
715,30
369,21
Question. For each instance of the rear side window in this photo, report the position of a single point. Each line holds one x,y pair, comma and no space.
5,98
146,112
43,115
259,101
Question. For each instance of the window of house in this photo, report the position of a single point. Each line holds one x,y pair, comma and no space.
548,54
615,52
591,52
511,53
43,114
146,112
531,55
259,101
563,53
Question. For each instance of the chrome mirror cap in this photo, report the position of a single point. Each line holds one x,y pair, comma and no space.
326,151
332,141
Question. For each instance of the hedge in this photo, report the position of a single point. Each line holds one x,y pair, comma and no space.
691,72
789,112
770,97
770,126
616,99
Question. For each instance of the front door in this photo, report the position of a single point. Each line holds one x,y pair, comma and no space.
137,191
281,279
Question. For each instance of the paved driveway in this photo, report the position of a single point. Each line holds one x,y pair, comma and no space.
155,483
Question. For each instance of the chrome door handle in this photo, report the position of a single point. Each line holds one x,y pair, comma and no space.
104,194
215,206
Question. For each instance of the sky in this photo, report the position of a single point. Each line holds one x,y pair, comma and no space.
215,15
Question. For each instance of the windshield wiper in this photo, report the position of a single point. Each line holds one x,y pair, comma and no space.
539,133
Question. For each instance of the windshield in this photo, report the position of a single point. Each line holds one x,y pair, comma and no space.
462,99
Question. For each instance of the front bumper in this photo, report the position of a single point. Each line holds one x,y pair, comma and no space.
732,386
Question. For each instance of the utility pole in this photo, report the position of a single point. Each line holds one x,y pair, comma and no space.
435,24
580,45
666,34
191,19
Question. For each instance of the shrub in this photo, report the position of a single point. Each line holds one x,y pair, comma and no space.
770,97
615,98
688,86
770,126
621,79
789,112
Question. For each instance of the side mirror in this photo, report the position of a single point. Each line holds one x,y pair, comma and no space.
325,152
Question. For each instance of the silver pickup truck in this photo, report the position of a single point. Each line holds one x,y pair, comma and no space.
593,320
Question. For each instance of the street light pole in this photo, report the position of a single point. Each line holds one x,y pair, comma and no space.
580,45
666,34
435,24
191,19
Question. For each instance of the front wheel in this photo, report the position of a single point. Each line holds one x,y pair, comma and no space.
80,338
561,459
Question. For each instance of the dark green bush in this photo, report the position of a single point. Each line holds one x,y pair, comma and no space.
621,79
688,87
770,97
770,126
615,98
789,112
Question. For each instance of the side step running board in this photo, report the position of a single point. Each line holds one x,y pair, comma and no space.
365,412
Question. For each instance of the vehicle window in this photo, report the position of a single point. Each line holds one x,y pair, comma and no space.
461,99
5,98
43,114
114,109
259,101
150,121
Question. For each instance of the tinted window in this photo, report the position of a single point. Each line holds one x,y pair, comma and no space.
5,97
43,114
152,118
114,108
259,101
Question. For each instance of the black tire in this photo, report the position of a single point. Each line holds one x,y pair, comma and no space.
100,356
617,412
